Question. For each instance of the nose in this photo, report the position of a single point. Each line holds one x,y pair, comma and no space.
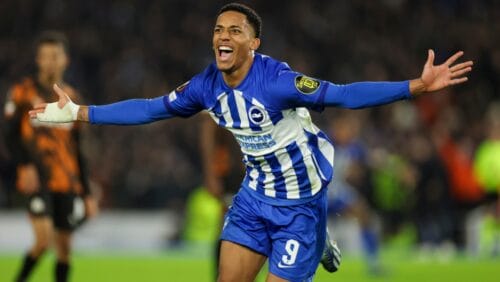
224,35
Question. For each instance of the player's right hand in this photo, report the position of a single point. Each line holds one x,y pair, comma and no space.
28,181
61,111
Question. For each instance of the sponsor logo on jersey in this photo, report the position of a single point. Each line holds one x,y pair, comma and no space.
306,85
255,142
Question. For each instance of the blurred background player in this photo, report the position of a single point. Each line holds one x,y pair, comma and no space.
487,169
345,193
207,204
49,162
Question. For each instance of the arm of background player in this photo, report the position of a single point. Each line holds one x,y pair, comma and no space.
13,114
91,207
27,178
212,182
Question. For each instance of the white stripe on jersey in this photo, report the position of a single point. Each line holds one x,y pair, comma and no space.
257,103
325,147
211,112
312,172
224,106
291,183
268,181
254,174
327,150
242,109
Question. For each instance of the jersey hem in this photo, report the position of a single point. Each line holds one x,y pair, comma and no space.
281,202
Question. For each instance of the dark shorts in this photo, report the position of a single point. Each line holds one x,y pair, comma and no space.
67,211
292,237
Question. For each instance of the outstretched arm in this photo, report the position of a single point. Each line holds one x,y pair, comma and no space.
367,94
128,112
297,90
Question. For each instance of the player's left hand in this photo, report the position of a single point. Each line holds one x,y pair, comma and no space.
437,77
91,208
64,110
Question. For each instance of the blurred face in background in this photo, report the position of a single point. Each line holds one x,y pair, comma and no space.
233,41
52,61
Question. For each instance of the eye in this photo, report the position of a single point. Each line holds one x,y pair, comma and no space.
217,30
235,31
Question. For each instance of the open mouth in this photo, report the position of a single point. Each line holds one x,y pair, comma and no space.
225,52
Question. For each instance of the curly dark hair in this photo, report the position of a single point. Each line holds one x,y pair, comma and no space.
252,16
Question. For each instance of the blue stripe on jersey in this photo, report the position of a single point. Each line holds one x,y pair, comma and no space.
217,110
279,180
300,170
233,108
276,117
325,169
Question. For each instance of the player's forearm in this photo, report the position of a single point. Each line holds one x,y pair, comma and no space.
366,94
128,112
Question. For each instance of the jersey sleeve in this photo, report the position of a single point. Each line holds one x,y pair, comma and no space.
292,89
297,90
186,100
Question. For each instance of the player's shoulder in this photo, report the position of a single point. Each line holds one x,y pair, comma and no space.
22,90
209,76
206,82
271,67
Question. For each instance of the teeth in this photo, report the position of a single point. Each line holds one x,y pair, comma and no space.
225,48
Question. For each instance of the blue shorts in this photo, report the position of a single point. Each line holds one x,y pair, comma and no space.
292,237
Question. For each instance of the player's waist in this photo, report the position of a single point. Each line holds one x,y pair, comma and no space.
249,192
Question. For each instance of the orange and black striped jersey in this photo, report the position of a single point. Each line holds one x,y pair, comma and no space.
53,148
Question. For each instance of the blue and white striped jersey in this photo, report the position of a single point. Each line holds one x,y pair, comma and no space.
287,157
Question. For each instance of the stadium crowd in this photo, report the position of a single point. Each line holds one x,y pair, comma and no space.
419,156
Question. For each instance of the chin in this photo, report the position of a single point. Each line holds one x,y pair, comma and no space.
225,67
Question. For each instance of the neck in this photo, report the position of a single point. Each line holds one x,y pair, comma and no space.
47,80
235,77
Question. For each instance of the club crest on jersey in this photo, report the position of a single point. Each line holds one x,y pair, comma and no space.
306,85
257,115
182,87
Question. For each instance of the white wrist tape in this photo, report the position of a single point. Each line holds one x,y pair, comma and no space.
55,114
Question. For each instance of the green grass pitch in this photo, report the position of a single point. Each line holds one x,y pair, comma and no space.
182,268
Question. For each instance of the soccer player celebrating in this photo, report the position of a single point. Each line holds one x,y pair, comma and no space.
279,213
49,162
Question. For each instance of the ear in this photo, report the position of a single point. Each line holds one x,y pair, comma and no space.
255,44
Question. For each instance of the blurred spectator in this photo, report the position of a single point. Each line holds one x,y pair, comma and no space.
487,169
433,215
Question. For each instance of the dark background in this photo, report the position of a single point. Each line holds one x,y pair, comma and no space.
128,49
